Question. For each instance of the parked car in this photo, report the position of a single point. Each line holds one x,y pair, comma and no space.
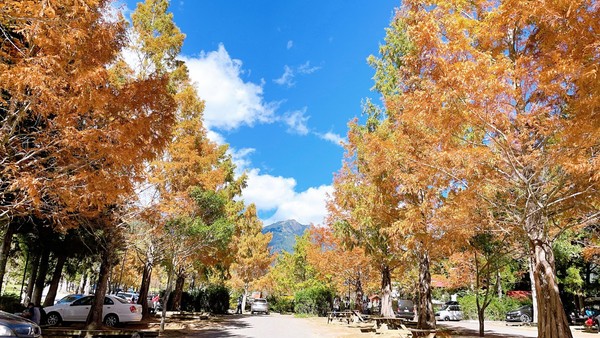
259,305
15,326
523,314
115,310
450,311
405,309
130,297
69,299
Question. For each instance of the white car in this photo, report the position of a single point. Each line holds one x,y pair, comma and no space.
259,305
449,312
116,310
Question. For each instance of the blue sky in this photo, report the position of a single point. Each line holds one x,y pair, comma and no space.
281,81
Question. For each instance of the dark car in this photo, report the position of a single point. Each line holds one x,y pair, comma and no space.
523,314
405,309
15,326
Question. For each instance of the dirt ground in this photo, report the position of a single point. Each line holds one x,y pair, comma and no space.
214,324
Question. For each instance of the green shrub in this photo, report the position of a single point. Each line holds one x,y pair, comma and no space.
282,304
11,303
217,297
315,300
495,311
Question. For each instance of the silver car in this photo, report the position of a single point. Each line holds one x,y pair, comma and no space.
259,305
15,326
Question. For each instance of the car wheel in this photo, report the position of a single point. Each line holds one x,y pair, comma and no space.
525,318
53,319
111,320
446,318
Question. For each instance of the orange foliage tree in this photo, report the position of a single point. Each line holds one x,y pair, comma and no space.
72,140
193,183
251,248
338,266
515,88
363,209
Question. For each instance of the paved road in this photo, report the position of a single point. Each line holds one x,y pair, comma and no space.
259,326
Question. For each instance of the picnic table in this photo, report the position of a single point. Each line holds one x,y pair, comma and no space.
391,322
429,333
341,315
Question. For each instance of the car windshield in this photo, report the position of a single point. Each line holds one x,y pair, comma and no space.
260,300
69,299
121,300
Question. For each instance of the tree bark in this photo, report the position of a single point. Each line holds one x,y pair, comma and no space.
35,263
165,302
552,320
144,287
426,316
82,283
386,291
533,288
94,318
244,297
177,294
9,231
40,280
359,294
60,263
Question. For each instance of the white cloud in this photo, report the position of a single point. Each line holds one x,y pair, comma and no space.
230,102
332,137
307,69
307,207
240,159
290,44
287,78
267,191
289,73
296,121
276,193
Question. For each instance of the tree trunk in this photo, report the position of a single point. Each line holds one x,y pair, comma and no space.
426,316
94,318
386,291
146,278
40,281
35,263
82,283
179,282
481,318
533,288
244,297
359,294
499,284
165,302
9,231
60,262
552,320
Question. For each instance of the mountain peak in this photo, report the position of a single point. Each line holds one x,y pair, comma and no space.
284,234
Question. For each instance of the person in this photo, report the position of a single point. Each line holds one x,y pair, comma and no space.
336,304
238,310
33,313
